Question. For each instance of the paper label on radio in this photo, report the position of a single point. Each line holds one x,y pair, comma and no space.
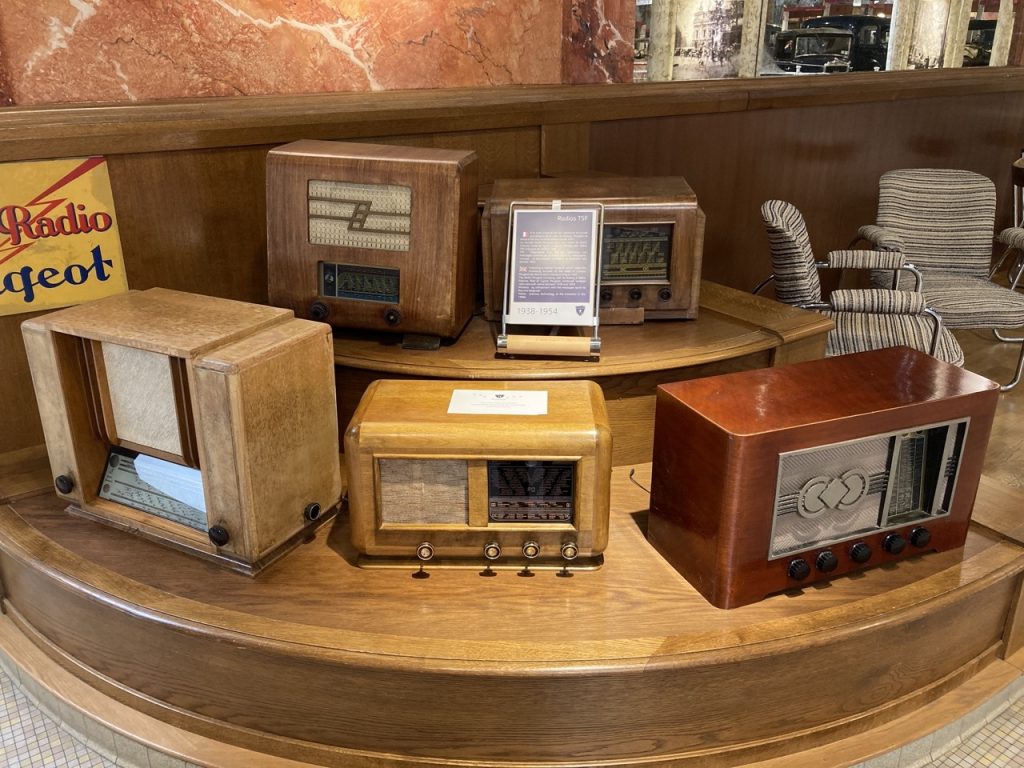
505,402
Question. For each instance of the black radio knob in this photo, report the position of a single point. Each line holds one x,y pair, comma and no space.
635,294
64,483
606,294
219,535
799,569
570,550
665,294
860,552
492,551
425,551
531,549
894,544
826,561
319,311
392,316
920,537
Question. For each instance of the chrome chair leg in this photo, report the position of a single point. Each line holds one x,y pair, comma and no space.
1020,360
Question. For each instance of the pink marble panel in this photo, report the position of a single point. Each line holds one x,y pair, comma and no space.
598,46
115,50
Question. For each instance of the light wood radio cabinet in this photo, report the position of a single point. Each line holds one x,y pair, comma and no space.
204,423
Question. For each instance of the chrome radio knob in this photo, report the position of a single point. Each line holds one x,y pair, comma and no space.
799,569
531,549
860,552
826,561
570,551
492,551
894,544
425,551
920,537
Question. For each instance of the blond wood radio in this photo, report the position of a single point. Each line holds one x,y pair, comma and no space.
204,423
769,480
652,242
480,473
372,236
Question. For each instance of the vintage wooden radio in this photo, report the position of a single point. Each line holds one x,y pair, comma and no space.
652,242
204,423
771,479
479,473
371,236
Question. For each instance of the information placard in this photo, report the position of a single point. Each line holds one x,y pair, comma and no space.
553,263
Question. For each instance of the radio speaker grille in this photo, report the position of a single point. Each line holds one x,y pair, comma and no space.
423,492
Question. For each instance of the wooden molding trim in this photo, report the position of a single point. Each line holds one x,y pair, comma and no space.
61,131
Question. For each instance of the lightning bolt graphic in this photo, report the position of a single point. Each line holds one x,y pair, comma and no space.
48,204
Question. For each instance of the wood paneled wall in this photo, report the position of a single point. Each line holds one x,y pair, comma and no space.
189,177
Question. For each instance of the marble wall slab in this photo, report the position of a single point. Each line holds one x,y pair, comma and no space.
59,51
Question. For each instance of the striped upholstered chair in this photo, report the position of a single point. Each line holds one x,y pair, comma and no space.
864,319
943,221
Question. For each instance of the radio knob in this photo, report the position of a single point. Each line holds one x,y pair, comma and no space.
531,549
920,537
492,551
319,311
392,316
894,544
64,483
635,294
665,294
860,552
826,561
219,535
570,550
425,551
799,569
606,294
312,511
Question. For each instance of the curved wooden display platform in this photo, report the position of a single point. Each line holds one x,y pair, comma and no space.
320,661
735,331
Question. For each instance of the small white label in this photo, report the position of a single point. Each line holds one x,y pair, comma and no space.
507,402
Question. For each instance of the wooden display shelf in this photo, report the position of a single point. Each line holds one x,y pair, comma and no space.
734,331
321,661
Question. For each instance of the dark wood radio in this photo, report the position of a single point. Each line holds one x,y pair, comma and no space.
652,242
772,479
372,236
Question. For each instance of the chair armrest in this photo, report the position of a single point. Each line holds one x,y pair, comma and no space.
1013,237
848,259
883,238
878,301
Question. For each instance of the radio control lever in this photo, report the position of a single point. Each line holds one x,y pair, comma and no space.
219,535
920,537
860,552
894,544
799,569
826,561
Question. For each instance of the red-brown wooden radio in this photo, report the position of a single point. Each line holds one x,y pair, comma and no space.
772,479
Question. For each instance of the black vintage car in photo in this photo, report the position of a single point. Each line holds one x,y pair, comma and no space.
805,51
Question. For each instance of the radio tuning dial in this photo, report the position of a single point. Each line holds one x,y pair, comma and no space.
425,551
531,549
860,552
606,294
826,561
665,294
894,544
799,569
920,537
319,311
635,294
492,551
570,550
219,535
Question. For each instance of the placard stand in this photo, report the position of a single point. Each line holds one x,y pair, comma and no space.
551,279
